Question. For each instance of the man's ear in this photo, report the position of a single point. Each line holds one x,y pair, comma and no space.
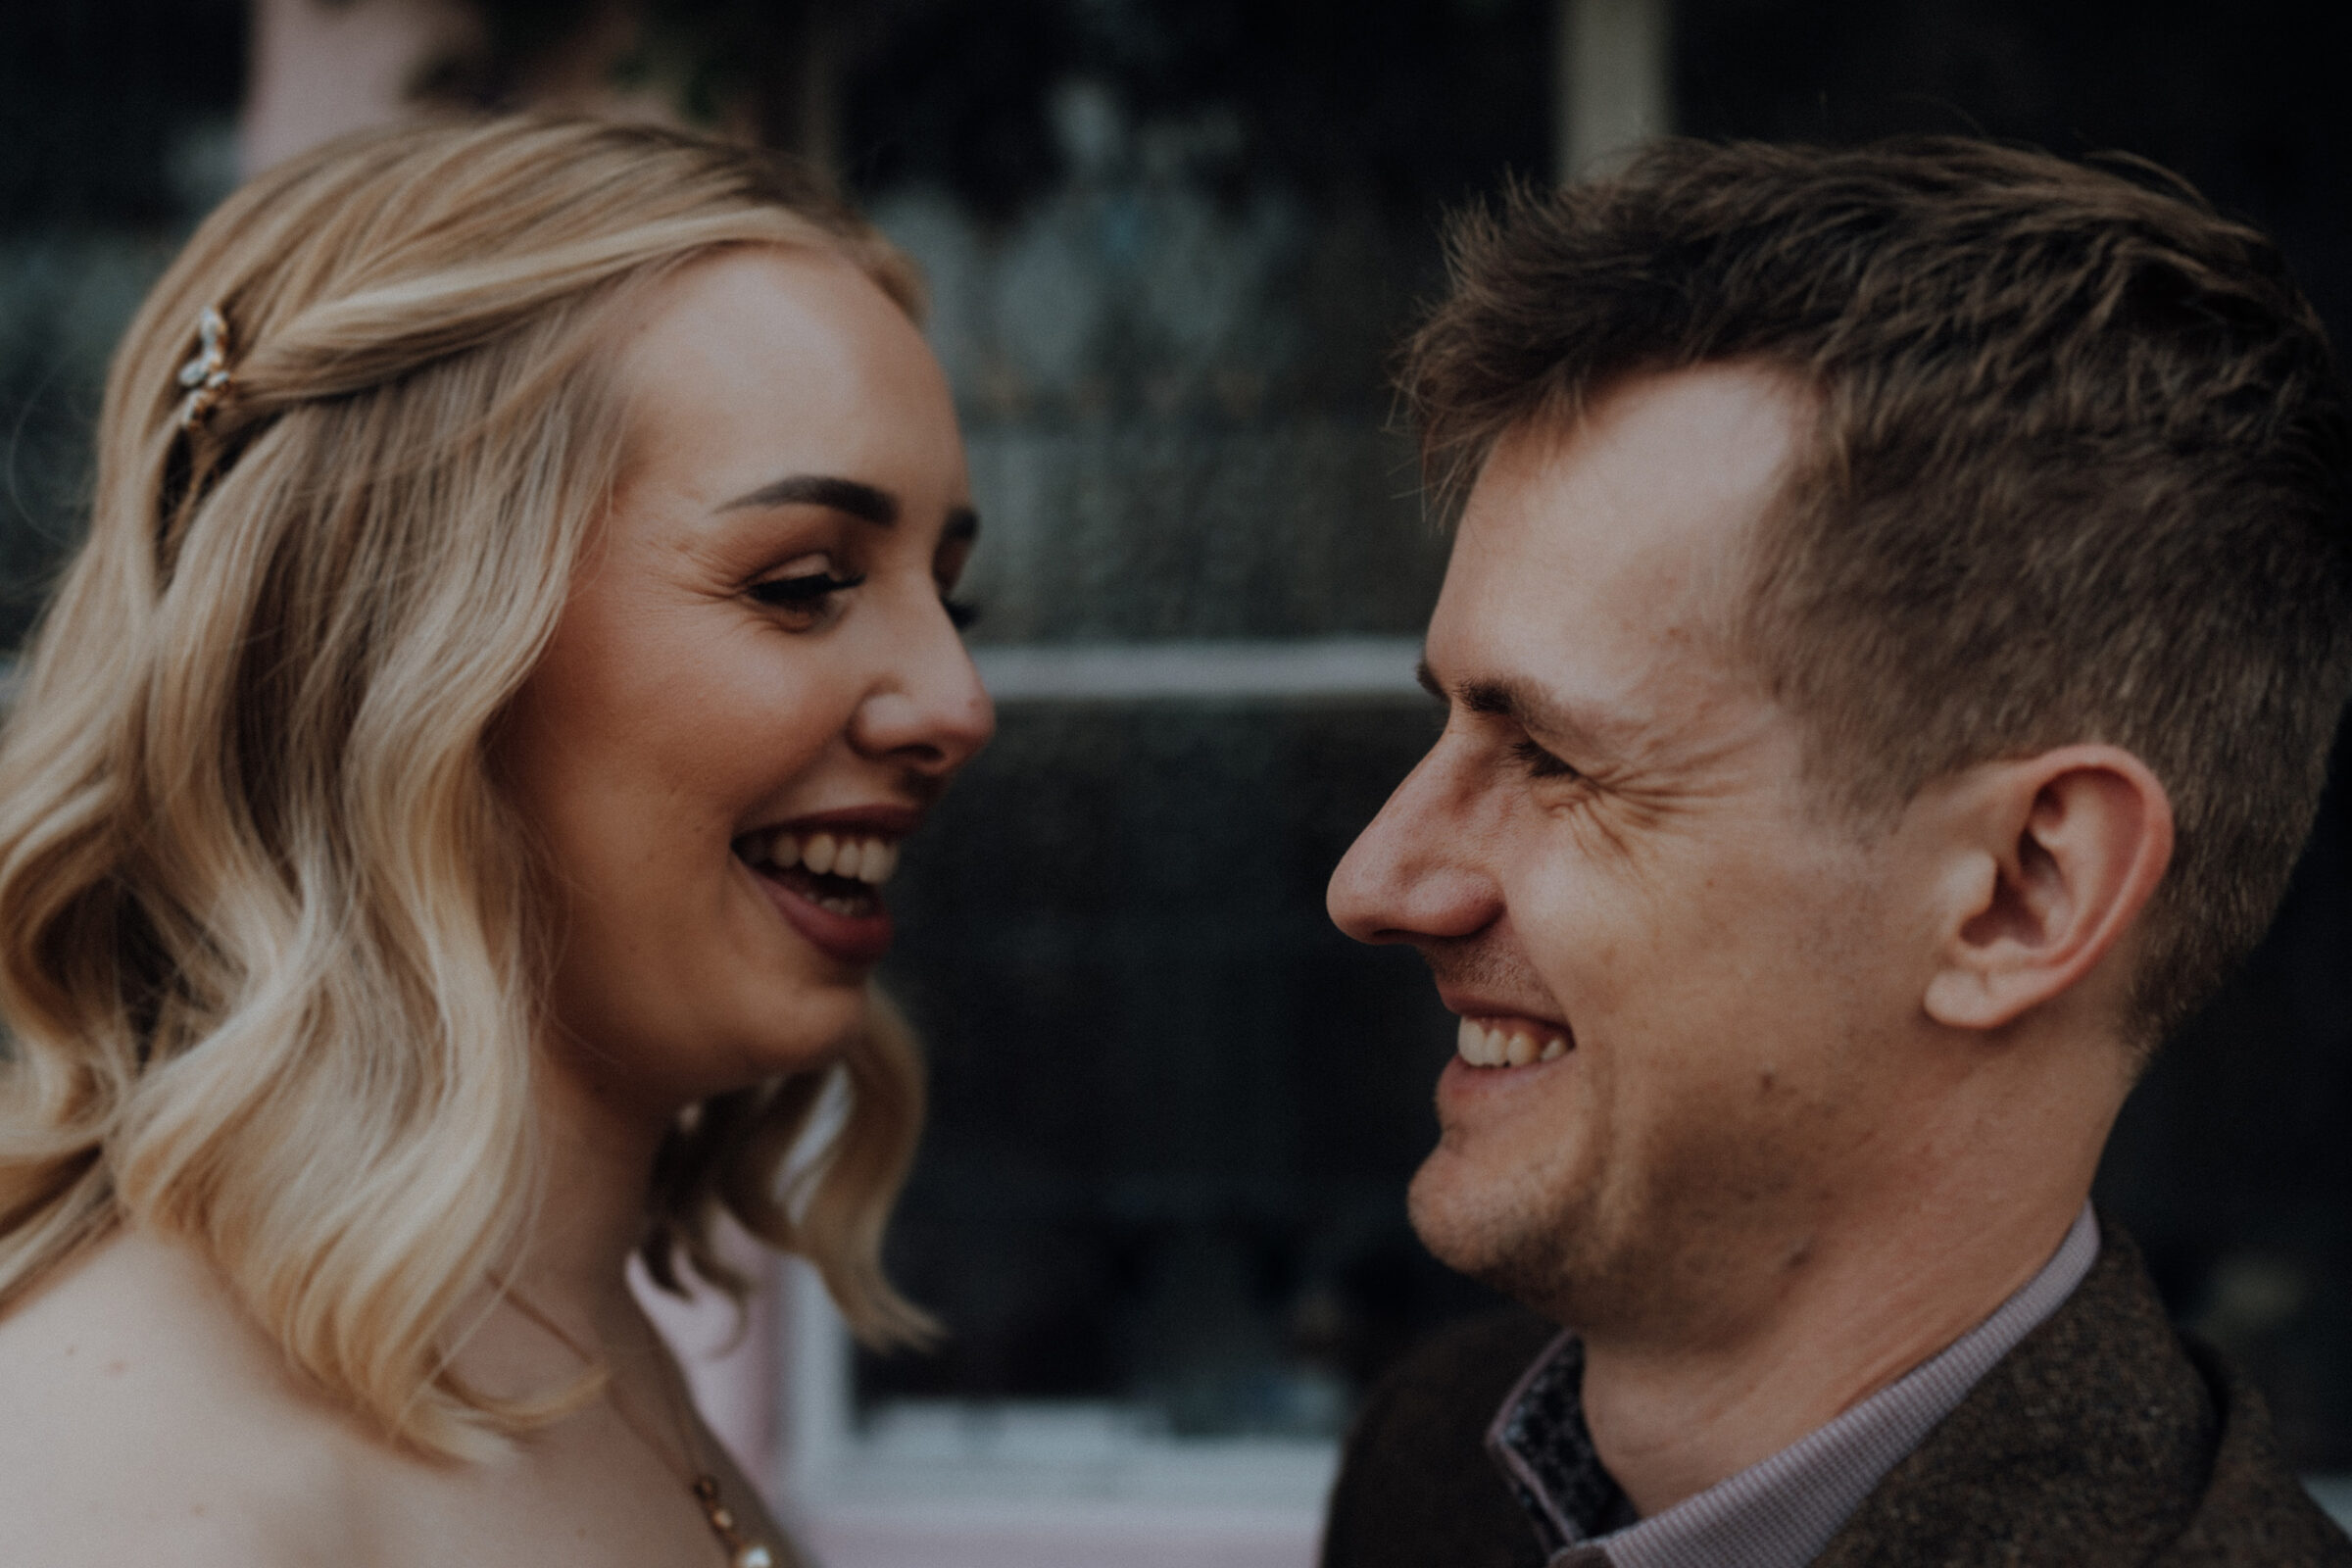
2053,861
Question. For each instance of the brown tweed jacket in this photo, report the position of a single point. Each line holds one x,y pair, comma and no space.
2102,1441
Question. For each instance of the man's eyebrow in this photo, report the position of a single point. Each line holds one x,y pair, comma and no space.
845,496
1532,709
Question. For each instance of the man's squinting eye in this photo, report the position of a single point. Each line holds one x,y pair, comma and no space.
963,614
1541,763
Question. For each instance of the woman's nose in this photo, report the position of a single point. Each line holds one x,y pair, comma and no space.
1410,876
929,711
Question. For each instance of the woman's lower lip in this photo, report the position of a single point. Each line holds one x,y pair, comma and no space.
859,939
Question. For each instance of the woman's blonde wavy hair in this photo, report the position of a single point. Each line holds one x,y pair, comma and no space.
270,944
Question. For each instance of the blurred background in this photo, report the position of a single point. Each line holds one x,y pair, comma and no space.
1172,245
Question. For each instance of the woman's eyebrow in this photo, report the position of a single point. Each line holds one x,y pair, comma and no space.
845,496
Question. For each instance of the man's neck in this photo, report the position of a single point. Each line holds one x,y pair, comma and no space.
1835,1320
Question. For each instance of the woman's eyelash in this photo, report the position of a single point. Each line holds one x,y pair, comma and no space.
805,591
1541,763
812,589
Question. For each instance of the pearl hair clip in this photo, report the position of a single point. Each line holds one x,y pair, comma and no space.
207,375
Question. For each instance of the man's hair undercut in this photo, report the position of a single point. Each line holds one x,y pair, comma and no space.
2076,470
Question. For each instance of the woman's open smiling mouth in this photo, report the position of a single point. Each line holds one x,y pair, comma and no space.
826,877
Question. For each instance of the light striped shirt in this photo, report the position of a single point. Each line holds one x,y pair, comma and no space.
1779,1513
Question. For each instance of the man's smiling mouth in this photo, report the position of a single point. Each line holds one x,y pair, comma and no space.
1509,1043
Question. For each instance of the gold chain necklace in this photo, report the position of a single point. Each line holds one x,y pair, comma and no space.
741,1551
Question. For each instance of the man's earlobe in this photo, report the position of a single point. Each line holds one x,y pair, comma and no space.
2058,855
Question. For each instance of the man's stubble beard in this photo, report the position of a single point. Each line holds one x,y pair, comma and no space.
1650,1232
1546,1239
1651,1248
1682,1217
1552,1232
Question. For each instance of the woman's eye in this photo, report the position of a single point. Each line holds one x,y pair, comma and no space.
963,614
809,591
1541,763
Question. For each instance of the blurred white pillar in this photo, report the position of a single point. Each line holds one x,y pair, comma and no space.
1613,78
319,68
813,1358
728,1353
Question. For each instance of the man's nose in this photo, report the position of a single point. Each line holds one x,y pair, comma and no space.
1412,875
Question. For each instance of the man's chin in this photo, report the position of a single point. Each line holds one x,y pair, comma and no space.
1497,1232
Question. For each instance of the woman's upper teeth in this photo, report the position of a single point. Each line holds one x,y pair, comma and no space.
861,858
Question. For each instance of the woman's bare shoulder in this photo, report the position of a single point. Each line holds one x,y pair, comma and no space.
150,1419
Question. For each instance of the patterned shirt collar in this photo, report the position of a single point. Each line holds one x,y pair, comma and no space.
1780,1512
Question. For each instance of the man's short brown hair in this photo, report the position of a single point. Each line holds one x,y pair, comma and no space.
2078,469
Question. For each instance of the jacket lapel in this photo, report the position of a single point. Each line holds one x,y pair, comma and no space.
2089,1446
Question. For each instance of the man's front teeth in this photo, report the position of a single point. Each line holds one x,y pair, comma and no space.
1482,1047
869,860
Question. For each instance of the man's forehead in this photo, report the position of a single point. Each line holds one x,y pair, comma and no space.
1656,487
1697,452
1601,561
